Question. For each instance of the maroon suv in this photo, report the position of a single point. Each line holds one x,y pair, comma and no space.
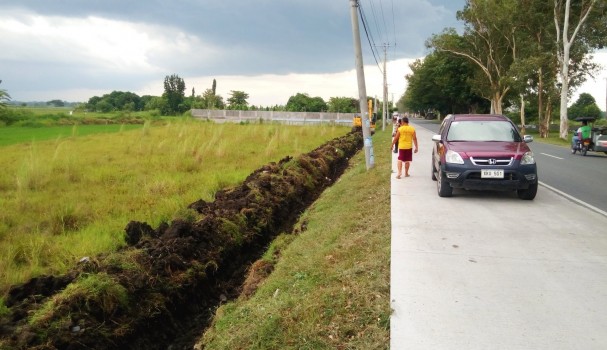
483,152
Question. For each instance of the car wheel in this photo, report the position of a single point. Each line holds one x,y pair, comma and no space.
443,187
433,170
529,193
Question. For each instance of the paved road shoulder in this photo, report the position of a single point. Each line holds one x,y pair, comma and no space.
489,271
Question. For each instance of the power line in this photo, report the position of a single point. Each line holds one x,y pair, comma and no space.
381,6
380,26
368,35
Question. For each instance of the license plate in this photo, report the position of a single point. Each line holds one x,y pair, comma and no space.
492,174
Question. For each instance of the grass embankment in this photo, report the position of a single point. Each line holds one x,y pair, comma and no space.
329,288
72,197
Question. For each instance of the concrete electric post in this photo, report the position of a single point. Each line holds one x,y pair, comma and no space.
362,90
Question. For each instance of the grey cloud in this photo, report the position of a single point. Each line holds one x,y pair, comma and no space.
251,37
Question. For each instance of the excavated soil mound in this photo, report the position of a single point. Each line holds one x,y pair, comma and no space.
161,290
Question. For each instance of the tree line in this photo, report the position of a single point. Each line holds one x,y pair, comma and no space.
174,101
524,55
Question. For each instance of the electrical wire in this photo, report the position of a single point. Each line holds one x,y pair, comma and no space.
380,27
369,36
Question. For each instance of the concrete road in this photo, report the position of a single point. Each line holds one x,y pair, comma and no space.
486,270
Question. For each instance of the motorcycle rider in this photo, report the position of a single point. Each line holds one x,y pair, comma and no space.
582,133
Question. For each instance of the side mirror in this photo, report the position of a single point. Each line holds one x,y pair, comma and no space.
527,138
436,138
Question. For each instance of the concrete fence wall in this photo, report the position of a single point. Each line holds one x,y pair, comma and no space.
297,118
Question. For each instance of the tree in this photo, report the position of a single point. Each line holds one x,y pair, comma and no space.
533,73
590,33
56,103
104,106
489,42
442,82
174,94
304,103
4,97
156,103
585,106
116,101
211,101
238,100
342,105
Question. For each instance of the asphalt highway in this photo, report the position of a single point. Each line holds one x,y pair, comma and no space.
583,179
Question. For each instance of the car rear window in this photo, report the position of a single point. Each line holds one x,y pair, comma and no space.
483,130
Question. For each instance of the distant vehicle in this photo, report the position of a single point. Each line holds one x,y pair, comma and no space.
596,142
483,152
357,122
430,116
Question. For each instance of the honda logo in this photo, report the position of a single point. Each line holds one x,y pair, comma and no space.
492,161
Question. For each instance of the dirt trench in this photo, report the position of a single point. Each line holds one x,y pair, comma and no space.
161,291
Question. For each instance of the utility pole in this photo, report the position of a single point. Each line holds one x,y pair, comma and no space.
385,114
362,90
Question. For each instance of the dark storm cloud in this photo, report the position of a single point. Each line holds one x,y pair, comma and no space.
281,36
220,37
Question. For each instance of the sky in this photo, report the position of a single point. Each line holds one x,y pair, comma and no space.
72,50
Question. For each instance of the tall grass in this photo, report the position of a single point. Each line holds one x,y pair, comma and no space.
72,197
15,134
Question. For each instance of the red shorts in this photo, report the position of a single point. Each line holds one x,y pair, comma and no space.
405,155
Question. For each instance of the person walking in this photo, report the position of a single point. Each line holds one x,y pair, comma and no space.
395,126
406,138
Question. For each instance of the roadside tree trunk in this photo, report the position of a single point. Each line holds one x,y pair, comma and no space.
564,40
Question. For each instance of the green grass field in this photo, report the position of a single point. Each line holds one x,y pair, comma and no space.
70,197
16,134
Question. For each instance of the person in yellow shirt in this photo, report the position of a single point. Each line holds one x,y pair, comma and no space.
406,138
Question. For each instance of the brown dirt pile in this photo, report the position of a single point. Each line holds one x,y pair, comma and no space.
162,289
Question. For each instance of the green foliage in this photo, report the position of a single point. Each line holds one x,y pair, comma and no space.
238,100
342,105
4,97
518,55
305,103
209,100
56,103
441,82
585,106
174,94
116,101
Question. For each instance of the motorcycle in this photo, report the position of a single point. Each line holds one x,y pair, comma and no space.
597,141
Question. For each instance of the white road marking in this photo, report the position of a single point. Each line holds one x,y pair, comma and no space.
575,200
549,155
